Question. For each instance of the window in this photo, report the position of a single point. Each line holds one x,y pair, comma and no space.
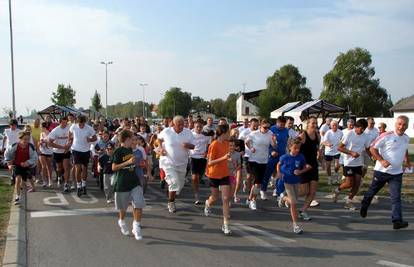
247,111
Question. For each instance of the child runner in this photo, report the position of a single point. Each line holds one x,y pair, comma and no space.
127,185
105,164
218,173
331,141
140,159
240,147
46,157
290,167
234,165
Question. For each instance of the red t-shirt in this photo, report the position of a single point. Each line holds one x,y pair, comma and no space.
22,155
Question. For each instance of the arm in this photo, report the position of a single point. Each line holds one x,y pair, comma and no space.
375,153
279,174
342,149
407,159
188,145
117,167
215,161
302,171
92,138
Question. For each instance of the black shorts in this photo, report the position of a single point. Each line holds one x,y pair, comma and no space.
246,162
311,175
45,155
59,157
331,158
25,173
198,166
81,157
218,182
258,170
352,171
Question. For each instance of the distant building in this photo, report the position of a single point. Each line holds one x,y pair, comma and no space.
406,107
246,109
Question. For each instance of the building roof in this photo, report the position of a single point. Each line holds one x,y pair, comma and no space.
283,109
251,95
315,107
405,104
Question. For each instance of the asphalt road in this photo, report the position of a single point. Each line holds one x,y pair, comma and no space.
68,231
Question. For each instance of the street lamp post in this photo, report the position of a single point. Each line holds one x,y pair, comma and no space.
143,98
12,60
106,85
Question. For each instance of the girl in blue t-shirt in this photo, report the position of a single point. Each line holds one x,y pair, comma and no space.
290,167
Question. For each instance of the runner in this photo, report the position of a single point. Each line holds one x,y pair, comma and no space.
21,157
80,138
11,135
58,140
258,142
240,148
289,169
198,158
349,126
254,124
175,143
331,141
244,127
234,166
127,187
46,157
372,133
218,173
309,180
290,121
382,128
105,164
391,151
353,144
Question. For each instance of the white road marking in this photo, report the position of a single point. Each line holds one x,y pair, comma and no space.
59,200
263,233
91,199
392,264
254,239
77,212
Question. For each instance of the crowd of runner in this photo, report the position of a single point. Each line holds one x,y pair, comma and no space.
128,153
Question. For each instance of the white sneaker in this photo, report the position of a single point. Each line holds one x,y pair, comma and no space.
136,230
207,210
304,216
274,193
226,229
252,205
247,202
124,227
297,229
171,207
336,195
280,201
263,195
314,203
350,206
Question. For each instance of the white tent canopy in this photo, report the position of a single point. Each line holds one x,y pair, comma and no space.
283,109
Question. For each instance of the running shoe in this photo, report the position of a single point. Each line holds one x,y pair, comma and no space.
31,190
197,202
350,206
84,190
336,195
399,225
136,231
363,212
79,192
252,205
314,203
304,216
280,201
59,181
66,188
297,229
17,200
207,209
171,207
274,194
72,187
247,202
226,229
109,201
263,195
124,227
44,185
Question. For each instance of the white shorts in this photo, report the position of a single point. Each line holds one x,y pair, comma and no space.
175,178
136,196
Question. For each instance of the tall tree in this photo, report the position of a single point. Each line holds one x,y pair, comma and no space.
351,84
230,107
199,104
96,101
175,102
218,107
64,96
285,85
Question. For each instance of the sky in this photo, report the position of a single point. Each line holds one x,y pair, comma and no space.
208,48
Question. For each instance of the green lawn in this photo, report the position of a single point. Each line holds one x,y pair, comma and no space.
6,196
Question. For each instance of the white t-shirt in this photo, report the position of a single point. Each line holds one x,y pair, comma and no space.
243,136
324,129
80,143
12,137
392,147
43,146
60,136
356,143
372,134
261,142
242,129
334,138
201,142
176,155
293,133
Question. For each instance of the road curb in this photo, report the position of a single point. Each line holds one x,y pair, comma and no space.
15,253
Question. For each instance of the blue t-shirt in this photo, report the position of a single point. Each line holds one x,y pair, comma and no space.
138,158
282,136
288,164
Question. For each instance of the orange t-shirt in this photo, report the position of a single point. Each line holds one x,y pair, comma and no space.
217,150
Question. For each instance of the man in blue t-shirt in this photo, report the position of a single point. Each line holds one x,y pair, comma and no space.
282,136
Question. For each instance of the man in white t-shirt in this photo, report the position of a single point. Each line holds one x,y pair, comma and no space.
244,127
254,124
290,122
325,127
331,141
198,158
372,133
81,136
58,140
353,144
11,135
176,143
391,151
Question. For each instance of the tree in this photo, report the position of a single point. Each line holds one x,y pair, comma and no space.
199,104
218,107
351,84
285,85
64,96
175,102
230,107
96,101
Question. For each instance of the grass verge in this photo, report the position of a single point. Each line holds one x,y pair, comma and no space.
6,196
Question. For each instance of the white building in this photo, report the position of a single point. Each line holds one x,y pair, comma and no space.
405,107
245,109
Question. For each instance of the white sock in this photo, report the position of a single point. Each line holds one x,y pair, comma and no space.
83,183
79,185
